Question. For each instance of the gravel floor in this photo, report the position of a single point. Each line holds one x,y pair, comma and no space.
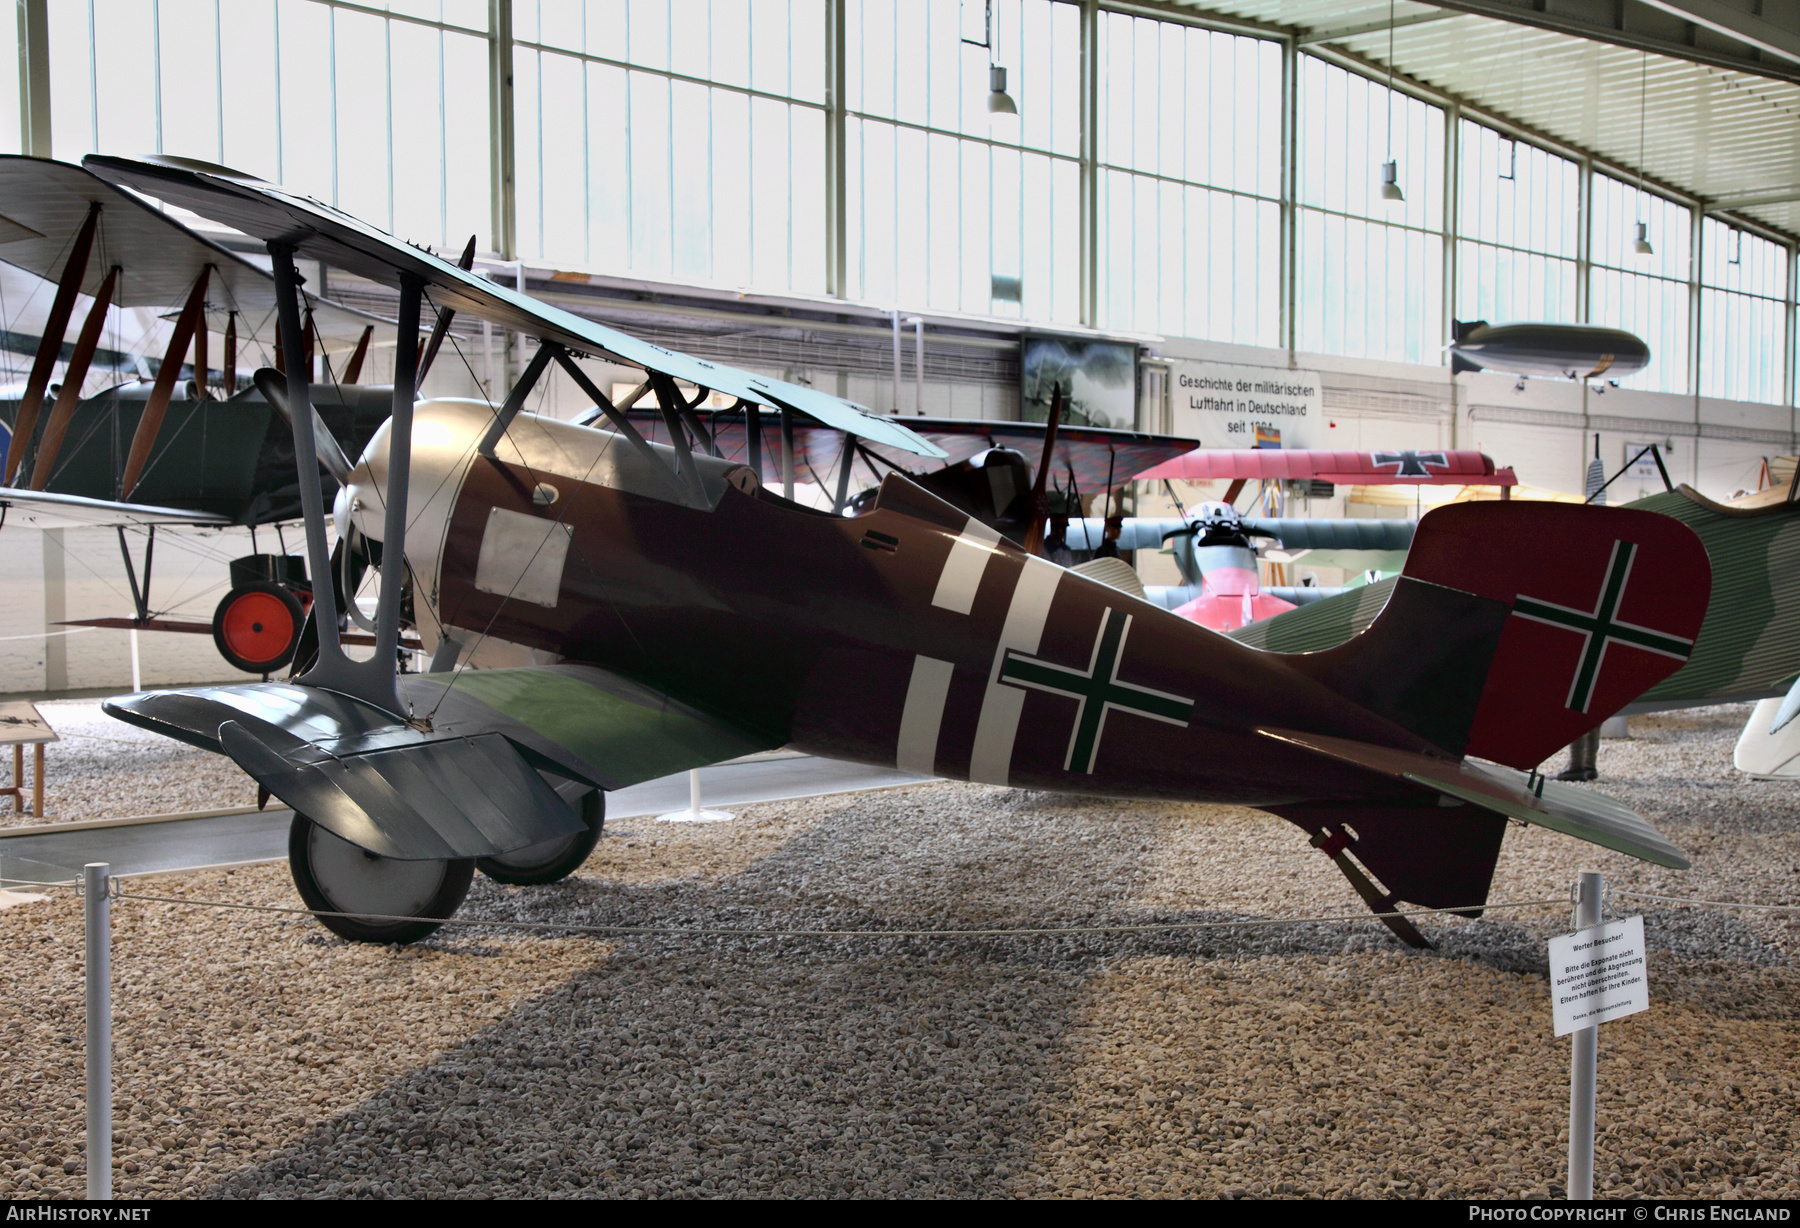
106,769
256,1054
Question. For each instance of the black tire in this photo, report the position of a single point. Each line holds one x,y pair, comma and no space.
257,627
554,859
325,868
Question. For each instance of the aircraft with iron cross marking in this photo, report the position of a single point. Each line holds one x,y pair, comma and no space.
688,614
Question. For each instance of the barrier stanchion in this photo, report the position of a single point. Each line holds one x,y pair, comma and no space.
96,882
1584,1053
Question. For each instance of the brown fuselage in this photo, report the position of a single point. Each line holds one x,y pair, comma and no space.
810,628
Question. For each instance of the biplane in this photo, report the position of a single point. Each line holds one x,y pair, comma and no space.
1214,549
182,444
687,613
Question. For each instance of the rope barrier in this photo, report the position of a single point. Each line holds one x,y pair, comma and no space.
724,932
1678,899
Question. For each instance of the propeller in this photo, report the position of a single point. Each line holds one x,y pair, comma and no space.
273,385
1040,498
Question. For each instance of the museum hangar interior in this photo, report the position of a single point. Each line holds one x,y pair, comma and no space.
907,507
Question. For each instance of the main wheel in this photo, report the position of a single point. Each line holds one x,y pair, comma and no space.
553,859
334,875
257,627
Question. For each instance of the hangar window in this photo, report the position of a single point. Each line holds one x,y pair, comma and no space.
944,208
1647,294
674,141
1743,318
385,117
10,134
1519,224
1370,281
1189,129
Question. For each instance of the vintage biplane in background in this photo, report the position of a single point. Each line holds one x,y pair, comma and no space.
187,446
690,614
988,467
1214,548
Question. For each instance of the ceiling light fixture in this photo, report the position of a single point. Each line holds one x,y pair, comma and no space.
1002,110
999,101
1642,246
1390,170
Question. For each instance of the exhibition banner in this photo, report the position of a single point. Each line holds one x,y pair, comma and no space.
1226,406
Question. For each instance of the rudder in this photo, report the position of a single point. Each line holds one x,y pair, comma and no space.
1517,627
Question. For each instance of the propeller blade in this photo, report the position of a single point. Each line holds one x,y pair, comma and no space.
465,262
1040,499
273,385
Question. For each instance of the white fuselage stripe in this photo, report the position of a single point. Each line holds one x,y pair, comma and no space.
923,716
998,725
961,577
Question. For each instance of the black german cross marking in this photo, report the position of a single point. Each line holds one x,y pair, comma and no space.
1599,627
1412,464
1096,690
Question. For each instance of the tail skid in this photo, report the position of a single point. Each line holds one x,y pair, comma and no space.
1437,842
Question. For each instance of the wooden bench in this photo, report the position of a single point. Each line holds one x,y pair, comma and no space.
21,725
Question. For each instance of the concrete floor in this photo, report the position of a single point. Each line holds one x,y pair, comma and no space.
231,839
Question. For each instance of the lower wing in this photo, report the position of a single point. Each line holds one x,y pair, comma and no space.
39,509
465,777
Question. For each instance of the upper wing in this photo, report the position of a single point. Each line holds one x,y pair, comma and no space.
1094,455
1749,645
462,778
46,202
1423,467
39,509
320,232
1147,533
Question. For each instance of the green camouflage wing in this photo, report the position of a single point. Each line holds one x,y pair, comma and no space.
620,731
1749,645
1320,624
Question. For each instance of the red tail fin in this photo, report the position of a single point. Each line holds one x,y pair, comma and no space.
1574,610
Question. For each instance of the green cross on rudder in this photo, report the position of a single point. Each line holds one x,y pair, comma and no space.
1599,627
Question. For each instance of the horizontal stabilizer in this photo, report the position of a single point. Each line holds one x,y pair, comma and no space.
1593,817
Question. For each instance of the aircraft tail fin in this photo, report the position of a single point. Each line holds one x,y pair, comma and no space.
1459,364
1517,627
1462,328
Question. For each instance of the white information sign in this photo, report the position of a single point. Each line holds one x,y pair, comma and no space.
1598,975
1247,407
